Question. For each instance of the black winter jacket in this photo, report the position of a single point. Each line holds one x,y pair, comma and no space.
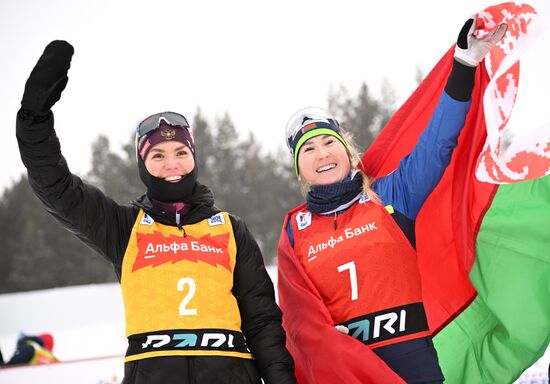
105,226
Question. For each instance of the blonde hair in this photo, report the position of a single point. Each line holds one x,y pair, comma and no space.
355,161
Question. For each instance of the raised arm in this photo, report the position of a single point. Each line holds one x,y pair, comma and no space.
419,172
81,208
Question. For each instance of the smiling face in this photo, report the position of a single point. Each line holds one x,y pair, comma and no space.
170,160
323,160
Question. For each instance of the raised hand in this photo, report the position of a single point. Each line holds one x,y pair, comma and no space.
48,78
469,49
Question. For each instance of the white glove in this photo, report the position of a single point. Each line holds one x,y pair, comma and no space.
342,329
469,49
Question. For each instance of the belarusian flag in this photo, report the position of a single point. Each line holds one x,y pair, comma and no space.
507,327
483,247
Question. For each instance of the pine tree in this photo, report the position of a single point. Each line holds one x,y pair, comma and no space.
116,175
37,252
363,116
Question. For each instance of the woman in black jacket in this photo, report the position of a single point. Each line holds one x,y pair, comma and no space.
199,304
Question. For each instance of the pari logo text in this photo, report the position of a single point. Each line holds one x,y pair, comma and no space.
187,339
156,249
190,340
388,324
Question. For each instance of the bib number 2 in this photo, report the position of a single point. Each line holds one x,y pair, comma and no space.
192,288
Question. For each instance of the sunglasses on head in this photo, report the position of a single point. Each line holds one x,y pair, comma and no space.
153,122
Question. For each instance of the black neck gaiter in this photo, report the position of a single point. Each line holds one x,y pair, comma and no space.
325,198
165,191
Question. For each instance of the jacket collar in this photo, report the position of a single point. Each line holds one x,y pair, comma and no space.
202,202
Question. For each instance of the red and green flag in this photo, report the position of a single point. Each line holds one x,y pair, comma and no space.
483,246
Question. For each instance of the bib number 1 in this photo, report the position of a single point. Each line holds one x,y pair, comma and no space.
352,277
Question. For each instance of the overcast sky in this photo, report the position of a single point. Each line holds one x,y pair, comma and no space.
257,61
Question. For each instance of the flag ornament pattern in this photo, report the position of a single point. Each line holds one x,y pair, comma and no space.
529,157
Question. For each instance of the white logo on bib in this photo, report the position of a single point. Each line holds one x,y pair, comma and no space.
364,197
303,219
147,220
217,219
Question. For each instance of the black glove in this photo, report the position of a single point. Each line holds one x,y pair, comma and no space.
48,78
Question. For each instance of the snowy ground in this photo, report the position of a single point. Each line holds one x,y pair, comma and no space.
88,325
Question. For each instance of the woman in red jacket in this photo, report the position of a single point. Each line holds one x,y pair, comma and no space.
347,256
